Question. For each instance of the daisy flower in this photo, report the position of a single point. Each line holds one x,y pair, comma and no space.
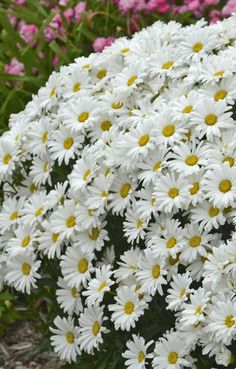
126,310
121,189
10,212
65,145
8,151
21,272
64,221
65,339
172,193
207,216
92,239
128,264
136,353
134,226
35,208
99,285
168,130
68,298
49,241
194,312
91,328
76,266
83,172
179,291
24,240
151,271
127,81
170,353
210,117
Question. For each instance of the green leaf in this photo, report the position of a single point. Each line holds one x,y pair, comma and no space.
56,48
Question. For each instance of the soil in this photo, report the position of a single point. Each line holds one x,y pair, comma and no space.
18,350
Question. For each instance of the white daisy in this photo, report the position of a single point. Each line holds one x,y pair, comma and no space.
136,353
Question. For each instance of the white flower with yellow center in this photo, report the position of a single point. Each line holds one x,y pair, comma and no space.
92,239
65,145
172,193
11,212
168,130
91,328
35,208
76,82
64,220
207,216
99,285
76,267
49,242
130,79
38,136
83,172
122,190
220,322
23,240
126,310
128,264
8,151
151,166
194,312
21,272
179,291
136,354
171,352
151,272
134,225
40,170
80,114
47,95
210,117
220,186
65,338
69,298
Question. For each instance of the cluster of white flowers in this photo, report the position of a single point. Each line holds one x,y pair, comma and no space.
138,140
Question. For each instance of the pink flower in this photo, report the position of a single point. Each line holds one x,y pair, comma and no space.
27,32
19,2
50,34
63,2
79,9
68,14
56,59
101,42
214,16
15,67
12,19
229,8
210,2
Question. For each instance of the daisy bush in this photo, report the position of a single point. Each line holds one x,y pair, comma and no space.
118,184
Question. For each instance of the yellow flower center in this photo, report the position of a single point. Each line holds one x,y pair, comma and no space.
156,166
187,109
182,293
68,142
76,87
173,357
168,130
141,356
44,137
219,73
227,210
70,222
139,223
229,321
171,243
83,265
94,233
213,212
198,310
173,192
117,105
211,119
173,261
124,190
167,65
225,186
53,92
90,212
191,160
129,308
26,268
70,337
102,286
96,328
156,271
124,51
45,167
106,125
86,174
194,189
14,215
143,140
230,160
74,292
38,212
6,159
55,236
197,47
25,241
83,117
33,187
220,95
131,80
153,202
101,73
195,241
86,66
